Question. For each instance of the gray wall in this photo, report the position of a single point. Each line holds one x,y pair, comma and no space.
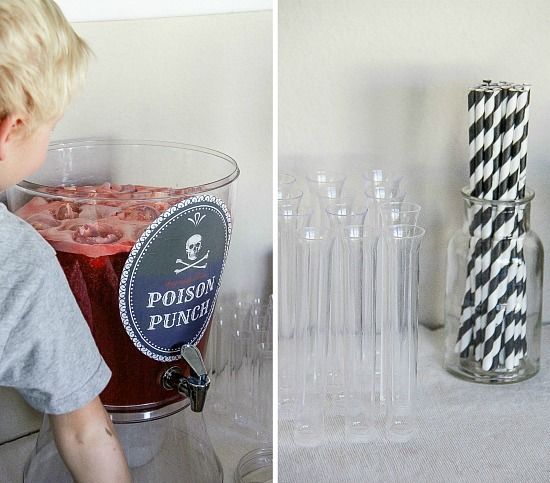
365,84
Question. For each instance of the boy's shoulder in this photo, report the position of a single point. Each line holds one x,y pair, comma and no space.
20,244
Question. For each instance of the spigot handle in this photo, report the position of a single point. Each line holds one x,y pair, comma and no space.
193,357
196,385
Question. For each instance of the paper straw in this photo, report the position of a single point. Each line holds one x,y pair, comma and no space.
479,138
523,147
513,297
520,310
517,137
491,95
508,133
500,112
478,192
510,316
493,319
476,186
490,345
491,140
522,279
472,135
501,230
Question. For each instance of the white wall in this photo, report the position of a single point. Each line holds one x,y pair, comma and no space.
365,83
79,11
203,80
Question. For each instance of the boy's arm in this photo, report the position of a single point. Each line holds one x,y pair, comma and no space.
88,445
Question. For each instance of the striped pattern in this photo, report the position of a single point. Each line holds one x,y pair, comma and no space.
493,322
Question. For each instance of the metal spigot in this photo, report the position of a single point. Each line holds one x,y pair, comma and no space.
196,385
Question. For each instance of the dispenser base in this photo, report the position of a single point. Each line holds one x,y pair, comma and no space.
174,449
146,412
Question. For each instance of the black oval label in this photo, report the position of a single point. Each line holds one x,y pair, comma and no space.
170,282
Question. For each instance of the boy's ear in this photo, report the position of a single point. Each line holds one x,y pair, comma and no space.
8,125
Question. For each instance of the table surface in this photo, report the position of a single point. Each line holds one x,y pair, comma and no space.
466,433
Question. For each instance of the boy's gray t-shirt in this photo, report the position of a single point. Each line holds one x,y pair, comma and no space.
46,349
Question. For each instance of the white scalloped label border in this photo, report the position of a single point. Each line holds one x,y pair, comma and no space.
137,252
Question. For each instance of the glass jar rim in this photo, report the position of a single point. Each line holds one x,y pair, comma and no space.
34,188
252,461
529,195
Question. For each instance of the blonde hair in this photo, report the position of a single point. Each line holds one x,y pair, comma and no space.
42,61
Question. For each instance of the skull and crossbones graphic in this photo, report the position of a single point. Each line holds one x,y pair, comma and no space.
192,248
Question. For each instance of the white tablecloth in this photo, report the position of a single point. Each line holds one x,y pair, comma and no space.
466,433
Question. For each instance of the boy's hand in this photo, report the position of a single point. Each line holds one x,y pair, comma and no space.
89,446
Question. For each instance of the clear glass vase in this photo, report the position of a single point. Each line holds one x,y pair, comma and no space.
493,298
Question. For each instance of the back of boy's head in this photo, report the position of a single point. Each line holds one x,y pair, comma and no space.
42,61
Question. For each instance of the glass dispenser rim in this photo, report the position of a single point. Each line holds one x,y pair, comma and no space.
33,188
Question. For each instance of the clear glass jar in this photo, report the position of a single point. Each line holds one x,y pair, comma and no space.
255,467
493,298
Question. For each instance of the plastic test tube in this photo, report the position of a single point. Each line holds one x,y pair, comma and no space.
380,189
311,338
390,213
291,220
402,246
263,377
221,334
340,214
241,356
359,333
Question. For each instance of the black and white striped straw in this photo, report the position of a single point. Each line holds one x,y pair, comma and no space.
493,320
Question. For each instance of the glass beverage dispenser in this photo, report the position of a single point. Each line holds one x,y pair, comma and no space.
141,230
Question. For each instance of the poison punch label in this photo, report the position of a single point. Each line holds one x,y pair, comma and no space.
170,281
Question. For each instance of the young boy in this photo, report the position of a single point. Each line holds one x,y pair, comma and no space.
46,349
